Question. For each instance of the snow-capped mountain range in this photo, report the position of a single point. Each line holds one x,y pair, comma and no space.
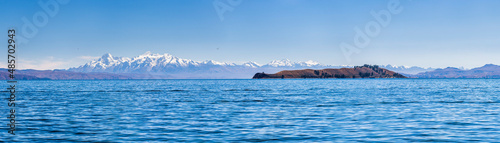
149,63
166,62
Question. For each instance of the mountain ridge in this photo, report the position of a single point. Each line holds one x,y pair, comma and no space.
166,63
486,71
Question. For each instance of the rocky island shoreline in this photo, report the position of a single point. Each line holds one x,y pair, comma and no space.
365,71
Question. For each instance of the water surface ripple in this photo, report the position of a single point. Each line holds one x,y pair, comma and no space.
302,110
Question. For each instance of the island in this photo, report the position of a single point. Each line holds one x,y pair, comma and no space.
365,71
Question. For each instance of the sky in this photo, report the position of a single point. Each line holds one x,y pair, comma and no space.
427,33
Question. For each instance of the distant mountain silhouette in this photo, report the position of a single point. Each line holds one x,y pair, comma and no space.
486,71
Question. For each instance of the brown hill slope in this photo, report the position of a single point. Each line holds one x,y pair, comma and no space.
366,71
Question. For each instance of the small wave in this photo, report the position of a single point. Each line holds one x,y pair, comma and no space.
121,91
151,90
361,104
459,123
177,90
184,101
84,133
282,139
257,140
247,89
221,101
17,91
471,102
255,100
421,135
326,105
316,88
403,102
56,131
450,101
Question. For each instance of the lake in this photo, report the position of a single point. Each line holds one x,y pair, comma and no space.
282,110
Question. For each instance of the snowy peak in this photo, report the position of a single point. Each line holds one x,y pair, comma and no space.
251,64
212,62
106,58
309,63
105,61
397,67
281,63
148,53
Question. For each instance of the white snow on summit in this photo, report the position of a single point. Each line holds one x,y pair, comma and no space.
309,63
280,63
251,64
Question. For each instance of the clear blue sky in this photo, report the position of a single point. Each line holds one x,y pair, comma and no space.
425,33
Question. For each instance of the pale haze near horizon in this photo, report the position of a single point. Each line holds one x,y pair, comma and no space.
424,33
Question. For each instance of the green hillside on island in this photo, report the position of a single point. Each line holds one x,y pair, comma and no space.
365,71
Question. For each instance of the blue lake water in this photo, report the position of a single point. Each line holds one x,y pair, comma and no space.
302,110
